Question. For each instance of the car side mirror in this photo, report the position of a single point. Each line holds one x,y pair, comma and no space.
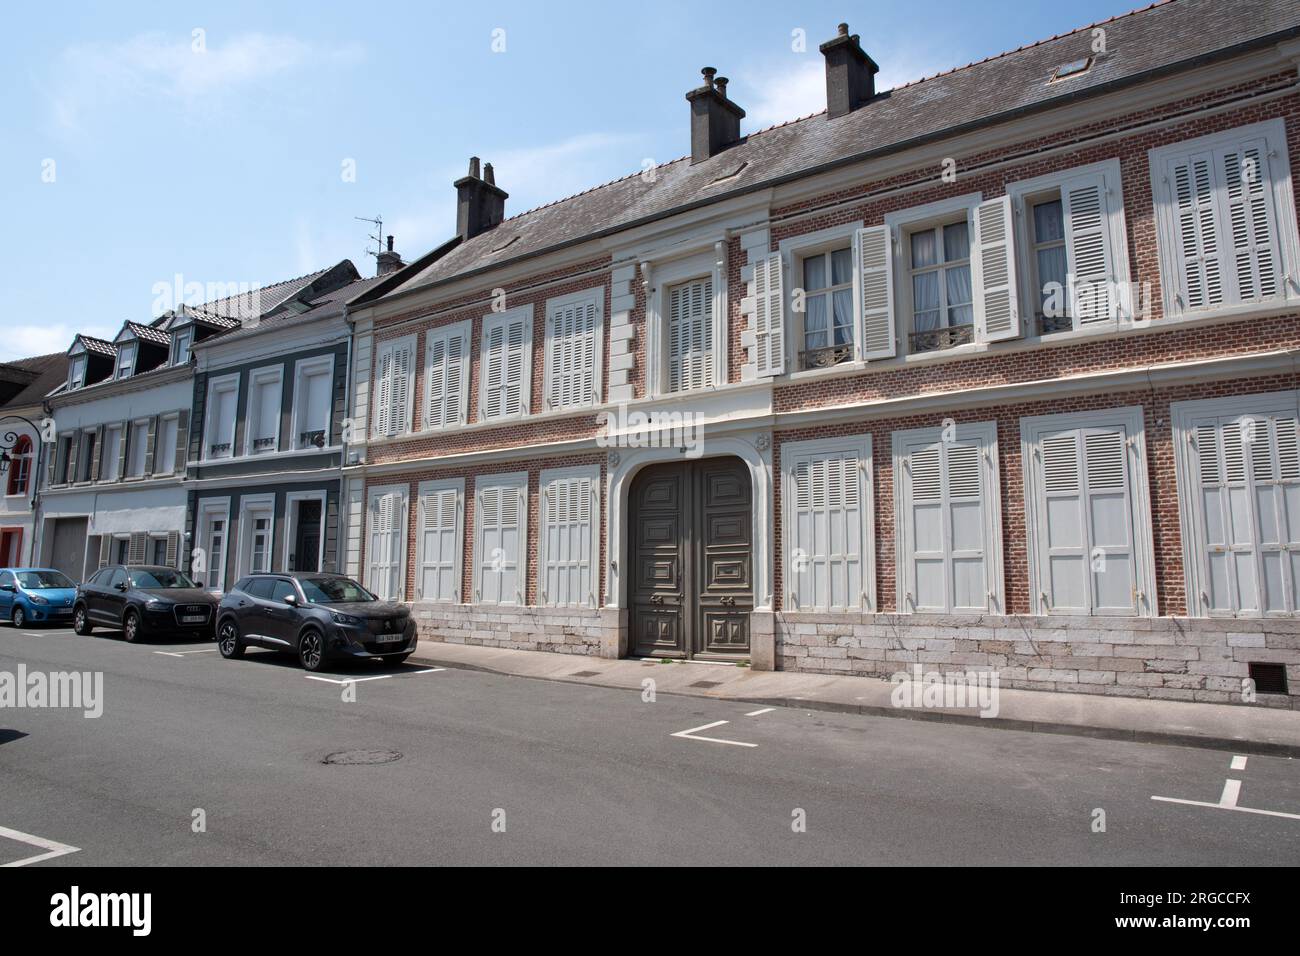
7,587
123,586
291,599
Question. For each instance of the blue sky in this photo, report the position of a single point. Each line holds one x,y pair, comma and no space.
226,163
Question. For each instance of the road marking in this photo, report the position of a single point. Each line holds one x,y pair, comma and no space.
756,713
53,848
1231,791
1222,806
358,680
690,735
1238,763
206,650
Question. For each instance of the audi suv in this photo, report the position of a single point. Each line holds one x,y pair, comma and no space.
143,601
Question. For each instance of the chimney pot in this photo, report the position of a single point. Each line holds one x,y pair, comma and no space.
473,167
390,243
715,120
850,73
387,260
488,176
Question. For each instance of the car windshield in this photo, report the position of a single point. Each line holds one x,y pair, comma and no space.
160,578
334,591
41,580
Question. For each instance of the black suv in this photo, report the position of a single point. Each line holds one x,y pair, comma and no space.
143,600
319,617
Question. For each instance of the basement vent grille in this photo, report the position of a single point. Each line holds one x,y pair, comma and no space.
1268,678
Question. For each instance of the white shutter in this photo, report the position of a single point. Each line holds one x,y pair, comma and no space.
1090,260
1199,255
1252,224
572,354
399,416
384,390
444,366
569,521
690,335
946,527
501,524
505,357
993,273
826,564
386,546
439,544
769,316
875,291
1085,531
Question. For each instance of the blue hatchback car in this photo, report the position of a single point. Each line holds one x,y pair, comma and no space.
35,595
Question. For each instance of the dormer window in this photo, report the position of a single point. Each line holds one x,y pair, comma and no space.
125,360
77,372
181,346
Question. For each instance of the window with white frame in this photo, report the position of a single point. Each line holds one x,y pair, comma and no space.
394,378
505,364
223,399
1226,219
77,371
109,465
313,400
125,360
165,443
1087,514
828,320
386,542
439,548
1238,464
574,349
446,375
214,524
1072,247
265,398
570,537
948,516
500,536
827,524
137,449
943,313
181,346
258,533
689,312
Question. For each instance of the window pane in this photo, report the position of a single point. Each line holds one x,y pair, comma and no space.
1049,223
924,251
956,243
1051,270
925,301
815,323
841,266
959,296
843,317
814,273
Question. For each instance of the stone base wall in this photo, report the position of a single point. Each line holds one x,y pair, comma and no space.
1172,658
562,630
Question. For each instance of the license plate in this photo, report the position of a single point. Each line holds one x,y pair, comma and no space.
389,638
193,619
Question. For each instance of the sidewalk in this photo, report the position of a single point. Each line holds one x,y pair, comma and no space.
1240,728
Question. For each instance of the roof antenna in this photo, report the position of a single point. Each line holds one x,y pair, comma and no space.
378,223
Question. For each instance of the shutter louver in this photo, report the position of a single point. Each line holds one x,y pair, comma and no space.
568,573
993,273
827,560
151,445
1089,257
122,443
384,391
173,548
439,546
1251,221
400,415
105,550
73,449
445,368
137,548
690,336
98,453
182,441
875,291
571,355
500,524
769,316
1198,231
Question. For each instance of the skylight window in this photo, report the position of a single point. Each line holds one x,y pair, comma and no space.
1073,68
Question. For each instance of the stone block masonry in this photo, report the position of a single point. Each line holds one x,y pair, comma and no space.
563,630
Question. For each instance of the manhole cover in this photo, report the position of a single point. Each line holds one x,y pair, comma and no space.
354,757
706,683
584,673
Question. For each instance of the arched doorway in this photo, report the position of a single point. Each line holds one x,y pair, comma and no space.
690,548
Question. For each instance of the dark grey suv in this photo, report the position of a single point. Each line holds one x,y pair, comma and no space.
318,617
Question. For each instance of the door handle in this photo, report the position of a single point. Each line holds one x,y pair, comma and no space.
656,599
729,601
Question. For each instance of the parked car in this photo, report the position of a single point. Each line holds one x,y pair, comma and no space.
35,595
318,617
143,601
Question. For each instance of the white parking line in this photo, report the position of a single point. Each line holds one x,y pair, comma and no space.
757,713
358,680
1222,806
1238,763
53,848
206,650
690,735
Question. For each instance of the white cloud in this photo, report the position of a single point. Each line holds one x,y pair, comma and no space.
91,76
22,341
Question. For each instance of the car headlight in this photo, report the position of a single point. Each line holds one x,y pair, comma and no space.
37,599
346,619
153,604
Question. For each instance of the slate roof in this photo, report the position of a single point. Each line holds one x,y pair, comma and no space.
227,312
327,306
1166,36
35,378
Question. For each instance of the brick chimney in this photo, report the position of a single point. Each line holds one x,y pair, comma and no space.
388,260
715,120
850,74
480,204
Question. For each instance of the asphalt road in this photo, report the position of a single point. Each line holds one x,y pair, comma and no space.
573,775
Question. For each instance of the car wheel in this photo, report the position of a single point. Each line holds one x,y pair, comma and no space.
397,661
311,651
20,616
81,623
228,642
131,627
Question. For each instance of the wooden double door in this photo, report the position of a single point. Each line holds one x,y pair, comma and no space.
691,547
